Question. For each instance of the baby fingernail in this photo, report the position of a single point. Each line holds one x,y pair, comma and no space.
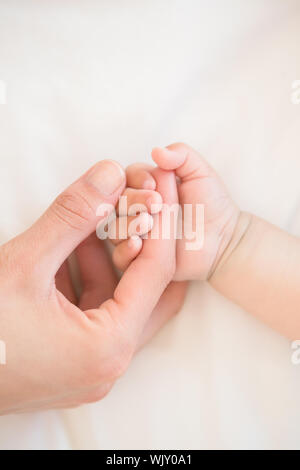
134,242
149,184
154,203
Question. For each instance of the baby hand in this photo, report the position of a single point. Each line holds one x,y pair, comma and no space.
135,210
198,183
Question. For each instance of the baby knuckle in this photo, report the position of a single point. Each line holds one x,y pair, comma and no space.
178,146
132,166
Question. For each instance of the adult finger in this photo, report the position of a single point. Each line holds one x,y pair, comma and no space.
73,216
98,276
64,284
149,274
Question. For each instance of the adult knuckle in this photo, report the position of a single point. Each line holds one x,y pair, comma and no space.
97,395
15,268
107,360
72,208
121,345
105,368
6,256
169,271
119,360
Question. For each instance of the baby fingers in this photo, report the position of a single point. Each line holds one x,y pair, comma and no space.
125,227
134,201
126,252
139,176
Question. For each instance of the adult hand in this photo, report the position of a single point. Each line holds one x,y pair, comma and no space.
60,354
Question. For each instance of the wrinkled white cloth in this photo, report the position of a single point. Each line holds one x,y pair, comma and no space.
111,79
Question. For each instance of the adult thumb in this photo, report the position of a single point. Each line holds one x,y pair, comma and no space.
73,216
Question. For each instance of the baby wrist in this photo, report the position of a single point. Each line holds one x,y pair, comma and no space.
242,226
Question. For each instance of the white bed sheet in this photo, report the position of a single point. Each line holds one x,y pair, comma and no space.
91,80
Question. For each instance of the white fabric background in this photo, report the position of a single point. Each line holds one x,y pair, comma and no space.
91,79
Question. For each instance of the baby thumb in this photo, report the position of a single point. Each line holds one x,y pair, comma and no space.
184,160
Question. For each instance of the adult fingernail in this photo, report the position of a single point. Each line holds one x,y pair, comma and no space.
107,177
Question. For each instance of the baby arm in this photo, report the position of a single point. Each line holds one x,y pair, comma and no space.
248,260
260,271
